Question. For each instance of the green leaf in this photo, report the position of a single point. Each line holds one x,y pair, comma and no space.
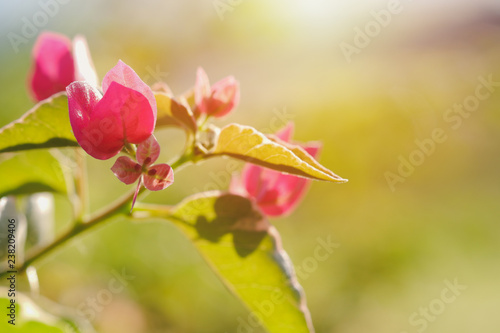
241,246
173,113
248,144
30,172
31,317
46,125
303,155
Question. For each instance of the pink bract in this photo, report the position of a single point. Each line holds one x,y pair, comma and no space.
53,67
126,76
58,62
102,125
126,170
148,151
276,193
158,177
219,99
154,177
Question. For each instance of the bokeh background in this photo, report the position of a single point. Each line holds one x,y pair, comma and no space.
398,244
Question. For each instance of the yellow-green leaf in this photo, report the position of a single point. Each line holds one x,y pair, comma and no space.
46,125
31,171
246,252
248,144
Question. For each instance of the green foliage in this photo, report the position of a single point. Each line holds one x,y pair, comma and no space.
240,245
247,144
31,171
46,125
229,230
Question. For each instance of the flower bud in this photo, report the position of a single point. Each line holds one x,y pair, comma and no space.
218,100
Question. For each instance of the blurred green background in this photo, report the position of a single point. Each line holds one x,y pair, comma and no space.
398,244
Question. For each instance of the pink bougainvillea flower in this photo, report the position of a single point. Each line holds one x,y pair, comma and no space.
104,124
155,177
275,193
217,100
54,66
57,63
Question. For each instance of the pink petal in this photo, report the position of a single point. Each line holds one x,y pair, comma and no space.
285,196
148,151
252,180
84,67
201,90
126,76
224,98
313,148
236,185
290,189
102,126
286,133
82,99
53,68
158,177
126,170
277,194
131,111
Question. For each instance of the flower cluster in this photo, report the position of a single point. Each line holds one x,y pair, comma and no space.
155,177
104,123
122,112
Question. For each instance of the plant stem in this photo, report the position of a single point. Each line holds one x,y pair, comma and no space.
81,185
120,206
187,157
143,210
129,149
